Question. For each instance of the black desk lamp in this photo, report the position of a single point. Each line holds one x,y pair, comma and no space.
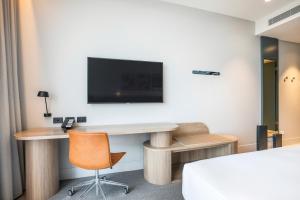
45,94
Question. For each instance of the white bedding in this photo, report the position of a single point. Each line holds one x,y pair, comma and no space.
265,175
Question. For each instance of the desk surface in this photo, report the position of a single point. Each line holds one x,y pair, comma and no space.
122,129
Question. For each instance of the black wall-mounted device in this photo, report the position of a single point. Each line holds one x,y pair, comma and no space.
68,123
58,120
199,72
81,119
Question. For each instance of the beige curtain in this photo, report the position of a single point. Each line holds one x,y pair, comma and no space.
10,116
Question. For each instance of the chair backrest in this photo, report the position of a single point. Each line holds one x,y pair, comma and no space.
194,128
89,150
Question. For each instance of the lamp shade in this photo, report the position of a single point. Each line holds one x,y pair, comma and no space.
43,94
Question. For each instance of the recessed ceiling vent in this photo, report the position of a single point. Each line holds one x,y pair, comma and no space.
284,15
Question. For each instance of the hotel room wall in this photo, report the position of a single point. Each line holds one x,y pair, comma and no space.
289,92
58,35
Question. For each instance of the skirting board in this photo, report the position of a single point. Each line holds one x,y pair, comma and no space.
291,141
246,148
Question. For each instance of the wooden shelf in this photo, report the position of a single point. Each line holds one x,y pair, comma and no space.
194,142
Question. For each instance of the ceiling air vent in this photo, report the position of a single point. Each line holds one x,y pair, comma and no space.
284,15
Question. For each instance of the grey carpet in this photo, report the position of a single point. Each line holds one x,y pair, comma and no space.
139,189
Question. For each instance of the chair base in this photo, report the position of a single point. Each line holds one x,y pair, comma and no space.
96,183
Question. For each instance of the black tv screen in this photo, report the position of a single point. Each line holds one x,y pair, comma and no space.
124,81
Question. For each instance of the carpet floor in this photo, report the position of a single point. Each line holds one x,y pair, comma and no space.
139,189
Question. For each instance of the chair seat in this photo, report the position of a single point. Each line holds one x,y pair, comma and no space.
115,157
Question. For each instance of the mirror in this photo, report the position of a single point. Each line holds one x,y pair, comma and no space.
269,60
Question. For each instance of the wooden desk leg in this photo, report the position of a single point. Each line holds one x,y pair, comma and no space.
157,166
42,179
277,140
161,139
234,148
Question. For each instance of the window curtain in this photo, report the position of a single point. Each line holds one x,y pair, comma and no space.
11,152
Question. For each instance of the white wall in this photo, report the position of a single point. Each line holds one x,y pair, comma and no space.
289,92
58,35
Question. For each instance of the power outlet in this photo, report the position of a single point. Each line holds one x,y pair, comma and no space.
81,119
58,120
70,118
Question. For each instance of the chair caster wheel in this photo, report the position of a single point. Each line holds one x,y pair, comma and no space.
126,190
71,192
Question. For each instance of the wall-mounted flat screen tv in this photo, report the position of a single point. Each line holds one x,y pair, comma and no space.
124,81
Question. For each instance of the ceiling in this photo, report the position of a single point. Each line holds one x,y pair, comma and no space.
289,31
244,9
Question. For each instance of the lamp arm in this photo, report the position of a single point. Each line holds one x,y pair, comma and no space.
46,105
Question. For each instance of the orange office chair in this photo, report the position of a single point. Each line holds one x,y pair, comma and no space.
92,151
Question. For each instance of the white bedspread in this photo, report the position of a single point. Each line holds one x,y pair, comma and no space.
266,175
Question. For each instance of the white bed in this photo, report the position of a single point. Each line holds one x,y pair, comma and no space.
266,175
